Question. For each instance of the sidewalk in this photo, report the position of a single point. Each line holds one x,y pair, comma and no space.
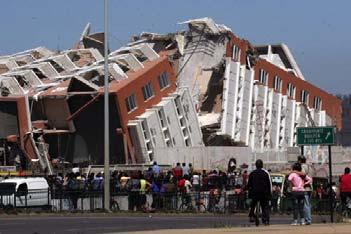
276,229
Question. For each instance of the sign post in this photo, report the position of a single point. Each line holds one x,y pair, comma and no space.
319,136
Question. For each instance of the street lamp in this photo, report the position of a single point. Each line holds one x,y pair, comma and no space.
106,115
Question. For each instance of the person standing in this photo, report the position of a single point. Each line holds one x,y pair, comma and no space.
298,192
185,169
156,169
305,170
145,187
260,189
345,187
177,171
195,180
191,169
133,188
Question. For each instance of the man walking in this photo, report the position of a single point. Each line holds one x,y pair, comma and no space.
260,189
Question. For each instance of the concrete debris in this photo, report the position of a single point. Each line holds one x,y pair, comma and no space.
196,87
208,25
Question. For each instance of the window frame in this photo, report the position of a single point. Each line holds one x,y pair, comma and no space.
278,83
131,103
317,103
236,53
148,91
305,97
163,80
291,91
263,77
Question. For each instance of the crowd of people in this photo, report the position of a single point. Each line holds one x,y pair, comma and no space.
165,188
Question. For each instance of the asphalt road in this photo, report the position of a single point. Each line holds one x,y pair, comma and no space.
124,223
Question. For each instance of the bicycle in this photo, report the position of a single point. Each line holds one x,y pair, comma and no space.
344,210
214,200
200,204
186,203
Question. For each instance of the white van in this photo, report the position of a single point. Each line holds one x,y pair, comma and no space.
21,192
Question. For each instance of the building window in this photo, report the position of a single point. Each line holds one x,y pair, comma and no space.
131,103
148,91
144,127
263,77
278,83
317,103
291,91
304,97
163,80
236,53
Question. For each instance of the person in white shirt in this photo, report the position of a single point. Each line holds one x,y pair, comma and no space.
185,169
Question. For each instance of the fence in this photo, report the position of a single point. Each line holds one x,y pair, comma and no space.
92,201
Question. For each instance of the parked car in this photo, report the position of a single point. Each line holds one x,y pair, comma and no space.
25,192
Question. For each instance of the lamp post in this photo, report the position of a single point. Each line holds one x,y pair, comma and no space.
106,115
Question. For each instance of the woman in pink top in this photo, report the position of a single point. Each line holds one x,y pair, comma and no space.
298,192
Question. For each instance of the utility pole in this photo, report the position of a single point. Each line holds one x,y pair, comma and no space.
106,115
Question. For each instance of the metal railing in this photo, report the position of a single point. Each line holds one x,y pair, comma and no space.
196,201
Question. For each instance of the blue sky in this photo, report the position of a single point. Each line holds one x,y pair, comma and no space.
317,31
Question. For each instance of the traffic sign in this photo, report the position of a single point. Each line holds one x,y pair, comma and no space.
316,136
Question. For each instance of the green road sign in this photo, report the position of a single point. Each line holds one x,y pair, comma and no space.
316,136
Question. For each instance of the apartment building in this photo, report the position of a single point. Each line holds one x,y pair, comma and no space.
270,97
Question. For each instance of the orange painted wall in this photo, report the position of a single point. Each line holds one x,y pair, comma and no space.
330,103
244,45
135,87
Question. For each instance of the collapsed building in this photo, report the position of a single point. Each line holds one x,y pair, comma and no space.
254,96
201,86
